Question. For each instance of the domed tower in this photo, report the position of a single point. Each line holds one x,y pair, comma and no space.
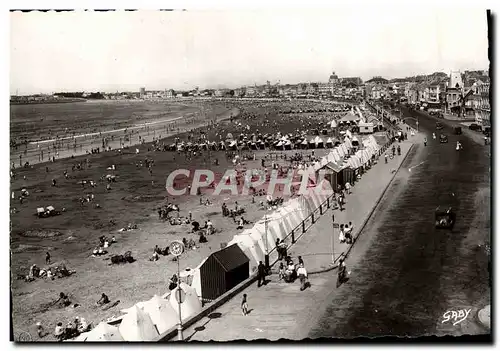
334,79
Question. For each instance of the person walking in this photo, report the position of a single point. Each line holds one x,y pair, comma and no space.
341,202
244,305
302,274
348,187
425,141
301,261
385,157
47,258
342,272
261,274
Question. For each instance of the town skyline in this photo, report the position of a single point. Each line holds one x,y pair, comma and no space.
145,49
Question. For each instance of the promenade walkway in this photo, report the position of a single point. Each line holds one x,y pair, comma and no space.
280,310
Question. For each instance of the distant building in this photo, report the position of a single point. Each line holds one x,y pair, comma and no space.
142,93
333,79
325,89
377,80
354,80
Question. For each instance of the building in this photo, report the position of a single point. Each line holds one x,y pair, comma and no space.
333,79
142,93
170,93
377,80
251,91
325,89
454,92
483,108
355,80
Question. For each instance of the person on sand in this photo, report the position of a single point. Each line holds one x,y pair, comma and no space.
40,330
103,300
47,258
63,300
59,332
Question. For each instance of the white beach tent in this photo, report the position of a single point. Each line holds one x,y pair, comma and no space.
317,166
324,161
319,142
347,142
336,155
333,124
330,157
162,313
345,148
340,151
260,229
102,332
329,143
137,325
249,247
191,304
311,174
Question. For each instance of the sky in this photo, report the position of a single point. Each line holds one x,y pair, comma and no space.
123,51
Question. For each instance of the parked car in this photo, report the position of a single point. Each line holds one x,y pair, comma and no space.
443,139
475,126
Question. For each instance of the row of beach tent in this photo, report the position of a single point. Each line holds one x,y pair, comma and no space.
145,321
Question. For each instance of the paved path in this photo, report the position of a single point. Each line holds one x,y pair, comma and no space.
484,316
278,309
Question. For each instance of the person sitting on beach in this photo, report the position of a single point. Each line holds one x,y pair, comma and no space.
59,332
113,240
95,252
103,300
191,244
210,227
196,226
155,257
225,211
203,239
63,300
240,224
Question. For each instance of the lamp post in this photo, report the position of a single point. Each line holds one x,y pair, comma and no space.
177,248
333,238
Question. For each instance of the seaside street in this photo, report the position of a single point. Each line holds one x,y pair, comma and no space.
279,309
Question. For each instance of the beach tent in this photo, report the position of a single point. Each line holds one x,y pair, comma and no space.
333,124
312,144
348,142
190,304
304,144
137,325
316,166
249,247
323,161
288,145
161,313
340,151
348,134
329,143
102,332
345,148
354,142
319,142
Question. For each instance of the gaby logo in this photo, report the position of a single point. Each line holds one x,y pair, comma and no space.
275,183
455,317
